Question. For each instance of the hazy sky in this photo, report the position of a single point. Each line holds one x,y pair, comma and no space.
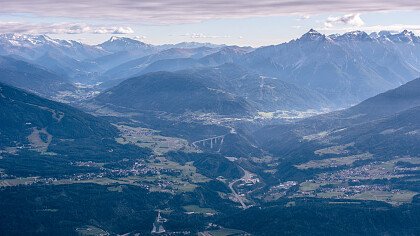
241,22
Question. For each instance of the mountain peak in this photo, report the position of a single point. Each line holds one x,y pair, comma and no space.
384,33
403,37
355,35
27,40
114,38
312,31
123,39
312,35
115,44
408,34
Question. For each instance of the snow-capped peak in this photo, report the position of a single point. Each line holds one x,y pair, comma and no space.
353,35
115,44
403,37
312,31
114,38
27,40
312,35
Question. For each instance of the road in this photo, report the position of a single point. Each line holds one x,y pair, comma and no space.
247,175
237,196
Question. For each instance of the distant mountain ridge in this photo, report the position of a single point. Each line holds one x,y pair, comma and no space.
32,78
346,68
117,44
230,80
34,46
80,61
264,93
373,125
174,93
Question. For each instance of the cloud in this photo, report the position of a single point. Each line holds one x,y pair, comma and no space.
303,17
176,11
352,19
61,28
123,30
113,30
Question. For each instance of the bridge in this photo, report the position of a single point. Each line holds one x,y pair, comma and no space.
213,143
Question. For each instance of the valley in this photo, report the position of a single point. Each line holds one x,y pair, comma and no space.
206,139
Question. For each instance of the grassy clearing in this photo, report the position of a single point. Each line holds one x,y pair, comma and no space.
337,150
198,209
17,181
90,230
188,171
309,186
334,162
40,139
393,197
99,181
225,232
148,138
116,189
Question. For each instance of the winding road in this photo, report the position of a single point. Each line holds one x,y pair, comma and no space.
247,175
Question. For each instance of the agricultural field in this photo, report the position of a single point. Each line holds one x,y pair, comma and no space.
148,138
195,209
334,162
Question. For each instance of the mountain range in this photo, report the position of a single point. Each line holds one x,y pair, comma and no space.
345,69
225,90
33,78
317,135
174,93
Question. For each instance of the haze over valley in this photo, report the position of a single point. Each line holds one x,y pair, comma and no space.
318,134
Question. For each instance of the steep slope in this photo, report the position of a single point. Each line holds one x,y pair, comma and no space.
76,70
221,56
121,50
31,123
345,68
32,47
136,66
395,135
32,78
62,57
264,93
390,102
380,123
119,44
229,54
174,93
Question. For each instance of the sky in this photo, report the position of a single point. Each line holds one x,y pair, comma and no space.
239,22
